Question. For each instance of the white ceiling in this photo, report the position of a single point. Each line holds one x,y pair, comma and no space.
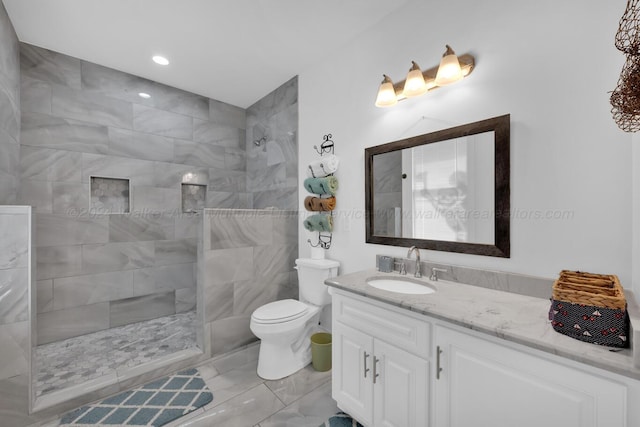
235,51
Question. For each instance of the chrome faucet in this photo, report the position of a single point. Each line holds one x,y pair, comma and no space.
417,251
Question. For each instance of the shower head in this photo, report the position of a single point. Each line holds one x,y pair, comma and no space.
257,142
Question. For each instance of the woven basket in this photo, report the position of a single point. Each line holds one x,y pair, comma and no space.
597,290
590,307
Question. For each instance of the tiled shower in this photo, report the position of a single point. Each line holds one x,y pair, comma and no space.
119,183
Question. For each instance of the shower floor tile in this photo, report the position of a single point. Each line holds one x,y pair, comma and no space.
76,360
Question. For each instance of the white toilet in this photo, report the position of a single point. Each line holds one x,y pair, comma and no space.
284,327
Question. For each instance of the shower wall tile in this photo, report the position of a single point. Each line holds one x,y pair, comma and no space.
176,251
199,154
132,228
185,299
229,265
164,123
13,295
164,278
44,293
273,260
172,175
38,194
117,256
285,197
42,164
14,349
188,226
14,235
71,198
139,172
246,228
234,159
63,230
142,308
62,324
111,83
228,200
58,261
138,145
227,181
48,66
35,95
43,130
226,114
151,200
218,301
93,108
179,101
90,289
9,113
215,134
9,155
230,333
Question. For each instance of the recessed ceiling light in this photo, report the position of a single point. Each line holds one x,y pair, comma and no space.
160,60
144,95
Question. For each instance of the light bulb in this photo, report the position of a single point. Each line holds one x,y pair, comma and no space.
449,70
414,85
386,93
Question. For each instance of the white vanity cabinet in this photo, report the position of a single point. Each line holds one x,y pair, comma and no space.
429,372
381,381
483,383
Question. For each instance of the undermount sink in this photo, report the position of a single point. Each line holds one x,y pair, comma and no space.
400,285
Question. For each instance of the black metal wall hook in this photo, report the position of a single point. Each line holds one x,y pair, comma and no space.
324,241
326,147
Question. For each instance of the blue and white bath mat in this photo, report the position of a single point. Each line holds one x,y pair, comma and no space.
154,404
340,420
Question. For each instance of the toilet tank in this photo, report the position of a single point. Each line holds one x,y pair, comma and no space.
311,276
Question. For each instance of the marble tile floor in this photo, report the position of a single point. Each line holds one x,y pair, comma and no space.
242,399
76,360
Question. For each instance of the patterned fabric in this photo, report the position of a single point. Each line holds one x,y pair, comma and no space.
153,404
341,420
597,325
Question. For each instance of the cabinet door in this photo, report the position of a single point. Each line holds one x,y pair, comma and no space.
352,372
401,387
483,383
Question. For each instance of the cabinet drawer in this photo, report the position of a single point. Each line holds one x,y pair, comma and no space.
406,332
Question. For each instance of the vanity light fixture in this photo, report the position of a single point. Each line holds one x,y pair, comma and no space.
451,69
161,60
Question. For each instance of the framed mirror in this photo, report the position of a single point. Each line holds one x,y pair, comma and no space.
446,190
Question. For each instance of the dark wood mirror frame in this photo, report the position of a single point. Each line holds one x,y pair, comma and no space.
501,247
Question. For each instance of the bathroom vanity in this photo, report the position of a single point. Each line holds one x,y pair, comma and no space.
469,356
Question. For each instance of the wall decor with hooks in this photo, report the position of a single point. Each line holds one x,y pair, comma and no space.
322,184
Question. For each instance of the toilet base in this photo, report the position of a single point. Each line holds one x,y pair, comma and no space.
276,362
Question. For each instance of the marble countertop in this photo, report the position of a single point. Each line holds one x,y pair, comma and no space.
518,318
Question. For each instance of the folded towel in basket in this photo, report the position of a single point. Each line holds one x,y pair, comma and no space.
326,165
318,204
319,222
326,185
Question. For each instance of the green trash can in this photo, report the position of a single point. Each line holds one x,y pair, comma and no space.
321,351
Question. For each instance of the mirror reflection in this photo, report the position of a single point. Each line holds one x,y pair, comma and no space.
446,190
440,191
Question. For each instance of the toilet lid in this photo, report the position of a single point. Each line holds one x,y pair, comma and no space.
280,311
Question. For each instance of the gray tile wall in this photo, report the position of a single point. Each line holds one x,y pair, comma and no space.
272,167
15,277
81,120
245,260
387,190
9,111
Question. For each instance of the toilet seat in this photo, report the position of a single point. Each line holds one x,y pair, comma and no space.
280,311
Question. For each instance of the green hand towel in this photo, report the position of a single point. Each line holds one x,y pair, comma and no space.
326,185
319,222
